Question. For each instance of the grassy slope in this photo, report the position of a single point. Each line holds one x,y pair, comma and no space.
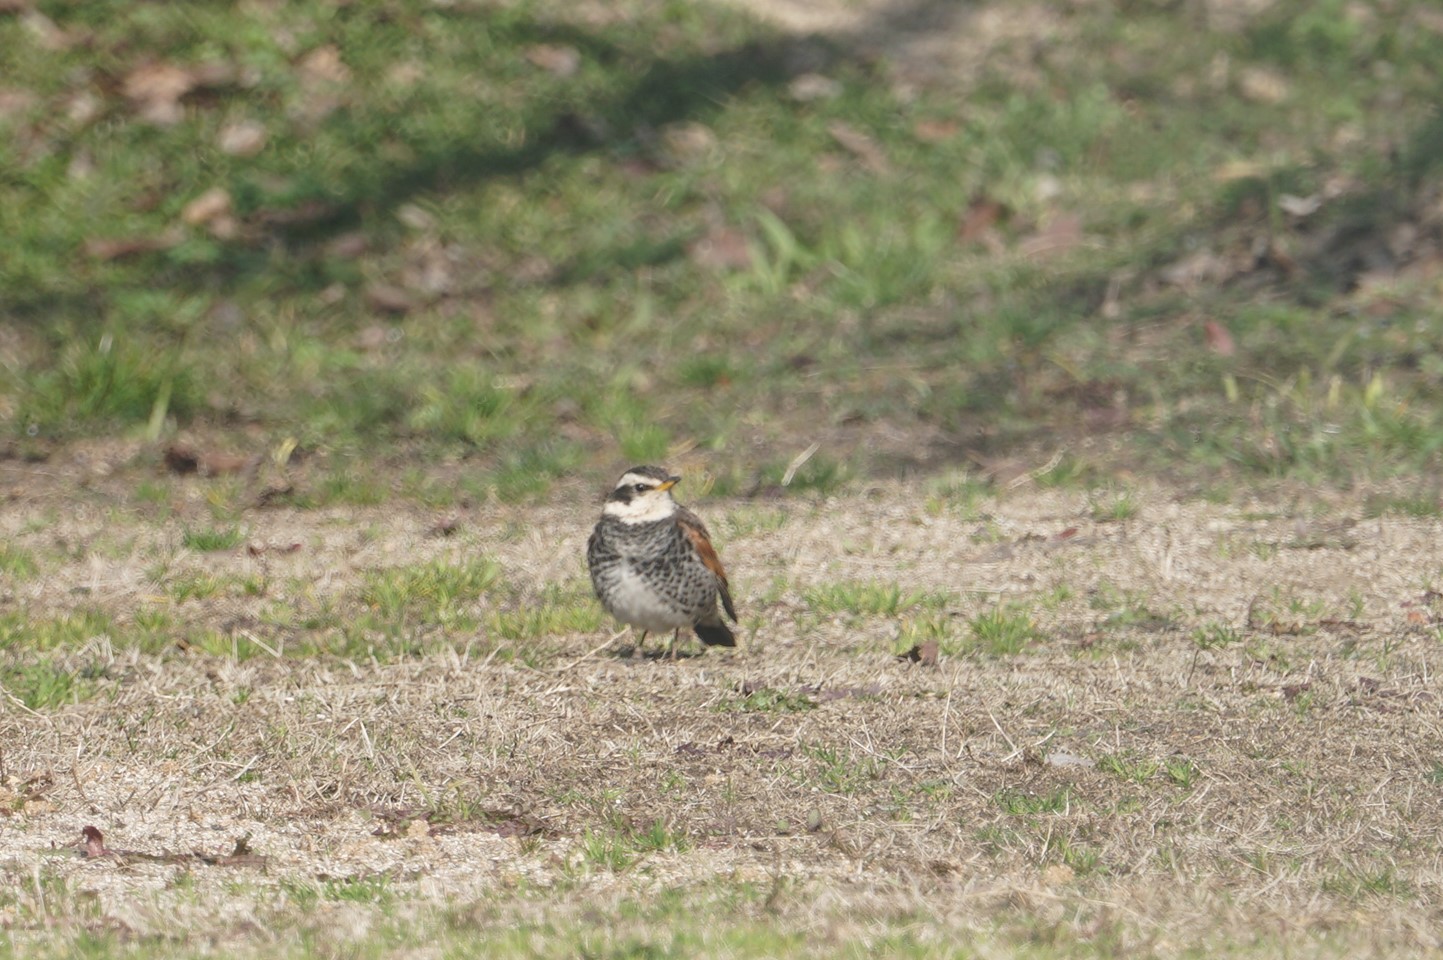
446,249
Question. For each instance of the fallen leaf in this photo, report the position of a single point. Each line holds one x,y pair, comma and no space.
1300,207
323,66
936,131
47,35
981,216
721,248
83,108
1261,85
156,88
241,855
182,459
925,653
1060,235
861,146
245,138
94,842
809,87
302,214
1197,268
563,61
1291,691
1219,338
389,299
445,527
348,245
210,205
688,140
113,248
15,103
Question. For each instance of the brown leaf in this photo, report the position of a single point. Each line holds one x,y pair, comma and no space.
924,653
94,842
983,213
936,131
1060,235
861,146
809,87
445,527
114,248
217,464
389,299
322,67
307,212
1198,267
1219,338
1262,85
182,458
15,103
157,88
245,138
721,248
563,61
688,140
45,32
212,204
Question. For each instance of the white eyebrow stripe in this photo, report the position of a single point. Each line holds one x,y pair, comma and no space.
634,478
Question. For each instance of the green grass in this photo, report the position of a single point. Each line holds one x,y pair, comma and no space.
1022,803
45,685
432,592
17,562
1212,636
1005,629
559,609
423,260
1113,507
618,847
211,540
769,700
204,586
839,771
1129,768
870,599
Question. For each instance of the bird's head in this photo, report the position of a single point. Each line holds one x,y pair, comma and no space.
642,495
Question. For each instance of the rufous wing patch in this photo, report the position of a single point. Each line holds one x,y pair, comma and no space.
696,532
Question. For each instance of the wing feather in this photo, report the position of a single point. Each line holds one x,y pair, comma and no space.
691,525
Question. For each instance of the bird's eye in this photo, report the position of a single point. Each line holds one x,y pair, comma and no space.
640,488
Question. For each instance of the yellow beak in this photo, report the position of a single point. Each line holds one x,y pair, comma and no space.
668,484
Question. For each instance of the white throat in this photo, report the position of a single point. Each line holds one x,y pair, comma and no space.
646,507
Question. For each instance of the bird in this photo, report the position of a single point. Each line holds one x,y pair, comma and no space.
653,565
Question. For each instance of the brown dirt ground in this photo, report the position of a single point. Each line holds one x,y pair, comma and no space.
1314,811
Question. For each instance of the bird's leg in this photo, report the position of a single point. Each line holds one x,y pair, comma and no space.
641,644
674,634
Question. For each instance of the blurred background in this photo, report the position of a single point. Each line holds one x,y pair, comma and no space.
453,250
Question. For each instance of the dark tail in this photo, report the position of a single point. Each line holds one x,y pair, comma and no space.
716,634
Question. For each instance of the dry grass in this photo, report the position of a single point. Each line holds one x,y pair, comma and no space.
1226,732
